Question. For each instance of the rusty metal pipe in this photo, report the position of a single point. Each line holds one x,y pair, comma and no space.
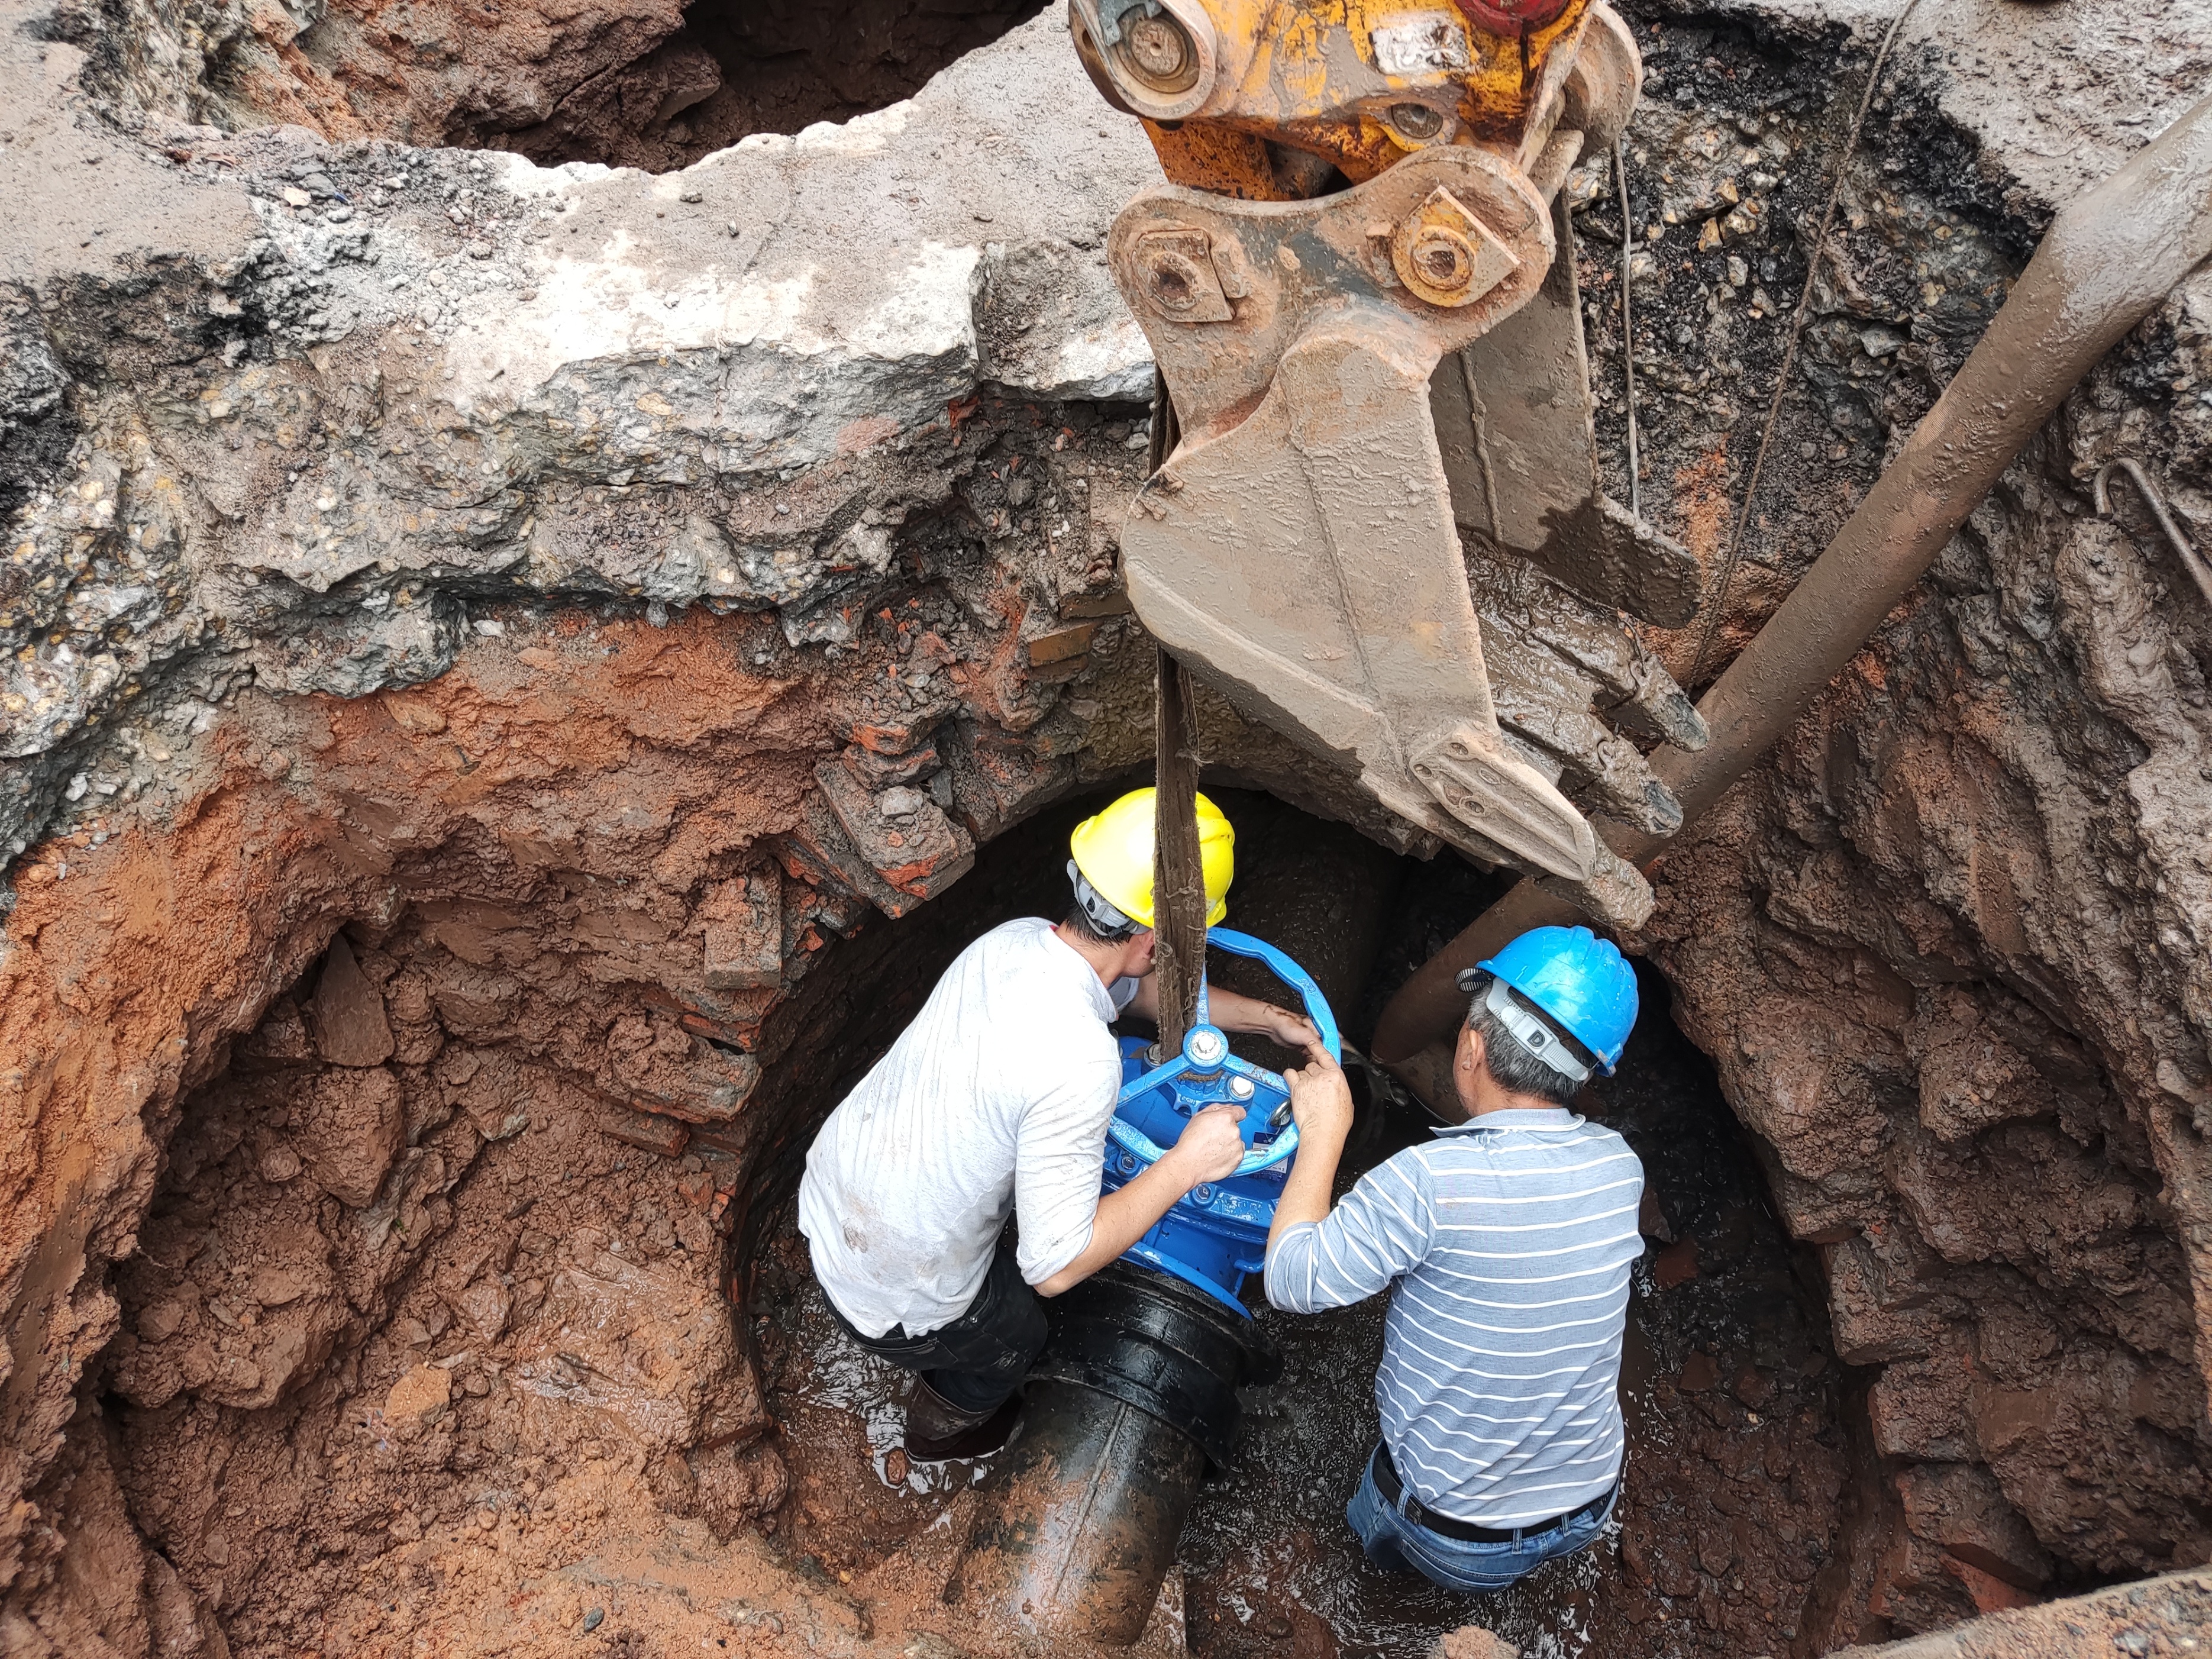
2109,258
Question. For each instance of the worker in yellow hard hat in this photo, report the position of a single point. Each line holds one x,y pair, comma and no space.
1113,863
995,1102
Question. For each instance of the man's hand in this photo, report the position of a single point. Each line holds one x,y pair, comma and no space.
1209,1147
1233,1012
1320,1100
1321,1103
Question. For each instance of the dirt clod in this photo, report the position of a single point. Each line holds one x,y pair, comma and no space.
418,1399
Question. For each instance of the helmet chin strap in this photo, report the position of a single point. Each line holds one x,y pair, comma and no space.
1104,915
1532,1033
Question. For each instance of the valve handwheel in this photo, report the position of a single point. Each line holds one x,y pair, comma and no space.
1206,1072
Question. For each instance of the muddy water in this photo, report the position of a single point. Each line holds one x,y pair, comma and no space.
841,1414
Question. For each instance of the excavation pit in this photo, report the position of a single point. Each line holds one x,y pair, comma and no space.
257,719
639,83
403,1324
1740,1455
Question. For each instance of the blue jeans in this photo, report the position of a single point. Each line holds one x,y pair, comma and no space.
1396,1545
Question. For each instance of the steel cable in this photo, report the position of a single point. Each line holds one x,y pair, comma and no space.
1715,603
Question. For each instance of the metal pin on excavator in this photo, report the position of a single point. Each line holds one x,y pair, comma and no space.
1382,532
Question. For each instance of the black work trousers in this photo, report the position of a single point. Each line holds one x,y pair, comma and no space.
981,1358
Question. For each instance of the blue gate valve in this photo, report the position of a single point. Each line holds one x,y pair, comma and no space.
1217,1233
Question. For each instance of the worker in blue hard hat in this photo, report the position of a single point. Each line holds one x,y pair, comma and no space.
995,1102
1509,1239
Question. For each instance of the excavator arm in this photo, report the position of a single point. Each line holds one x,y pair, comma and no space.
1382,532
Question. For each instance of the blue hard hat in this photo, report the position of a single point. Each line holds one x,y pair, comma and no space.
1581,981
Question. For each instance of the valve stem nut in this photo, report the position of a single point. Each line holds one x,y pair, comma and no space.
1205,1047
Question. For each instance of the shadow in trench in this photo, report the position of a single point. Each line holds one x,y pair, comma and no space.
740,67
1738,1458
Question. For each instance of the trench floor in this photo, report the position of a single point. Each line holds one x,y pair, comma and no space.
1725,1541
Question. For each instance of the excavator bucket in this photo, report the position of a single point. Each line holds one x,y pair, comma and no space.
1512,413
1382,532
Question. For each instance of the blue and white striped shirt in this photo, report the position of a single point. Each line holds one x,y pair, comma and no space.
1511,1237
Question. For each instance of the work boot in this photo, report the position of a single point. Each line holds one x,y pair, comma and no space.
936,1428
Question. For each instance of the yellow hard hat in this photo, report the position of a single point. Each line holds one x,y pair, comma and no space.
1113,851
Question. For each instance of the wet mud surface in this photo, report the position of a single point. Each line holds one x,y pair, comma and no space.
841,1413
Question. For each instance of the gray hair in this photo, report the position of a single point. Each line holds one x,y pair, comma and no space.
1511,1064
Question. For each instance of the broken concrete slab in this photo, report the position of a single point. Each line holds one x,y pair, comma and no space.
433,371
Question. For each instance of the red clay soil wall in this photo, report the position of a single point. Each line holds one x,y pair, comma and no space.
578,876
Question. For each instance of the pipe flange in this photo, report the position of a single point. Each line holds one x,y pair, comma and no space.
1160,1348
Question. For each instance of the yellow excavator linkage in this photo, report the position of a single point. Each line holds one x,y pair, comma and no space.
1382,531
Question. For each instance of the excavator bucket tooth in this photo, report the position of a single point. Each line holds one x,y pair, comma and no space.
1512,408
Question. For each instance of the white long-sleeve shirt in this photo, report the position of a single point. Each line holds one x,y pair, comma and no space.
1510,1239
994,1101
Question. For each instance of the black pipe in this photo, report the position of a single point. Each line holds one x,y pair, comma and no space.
1133,1396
